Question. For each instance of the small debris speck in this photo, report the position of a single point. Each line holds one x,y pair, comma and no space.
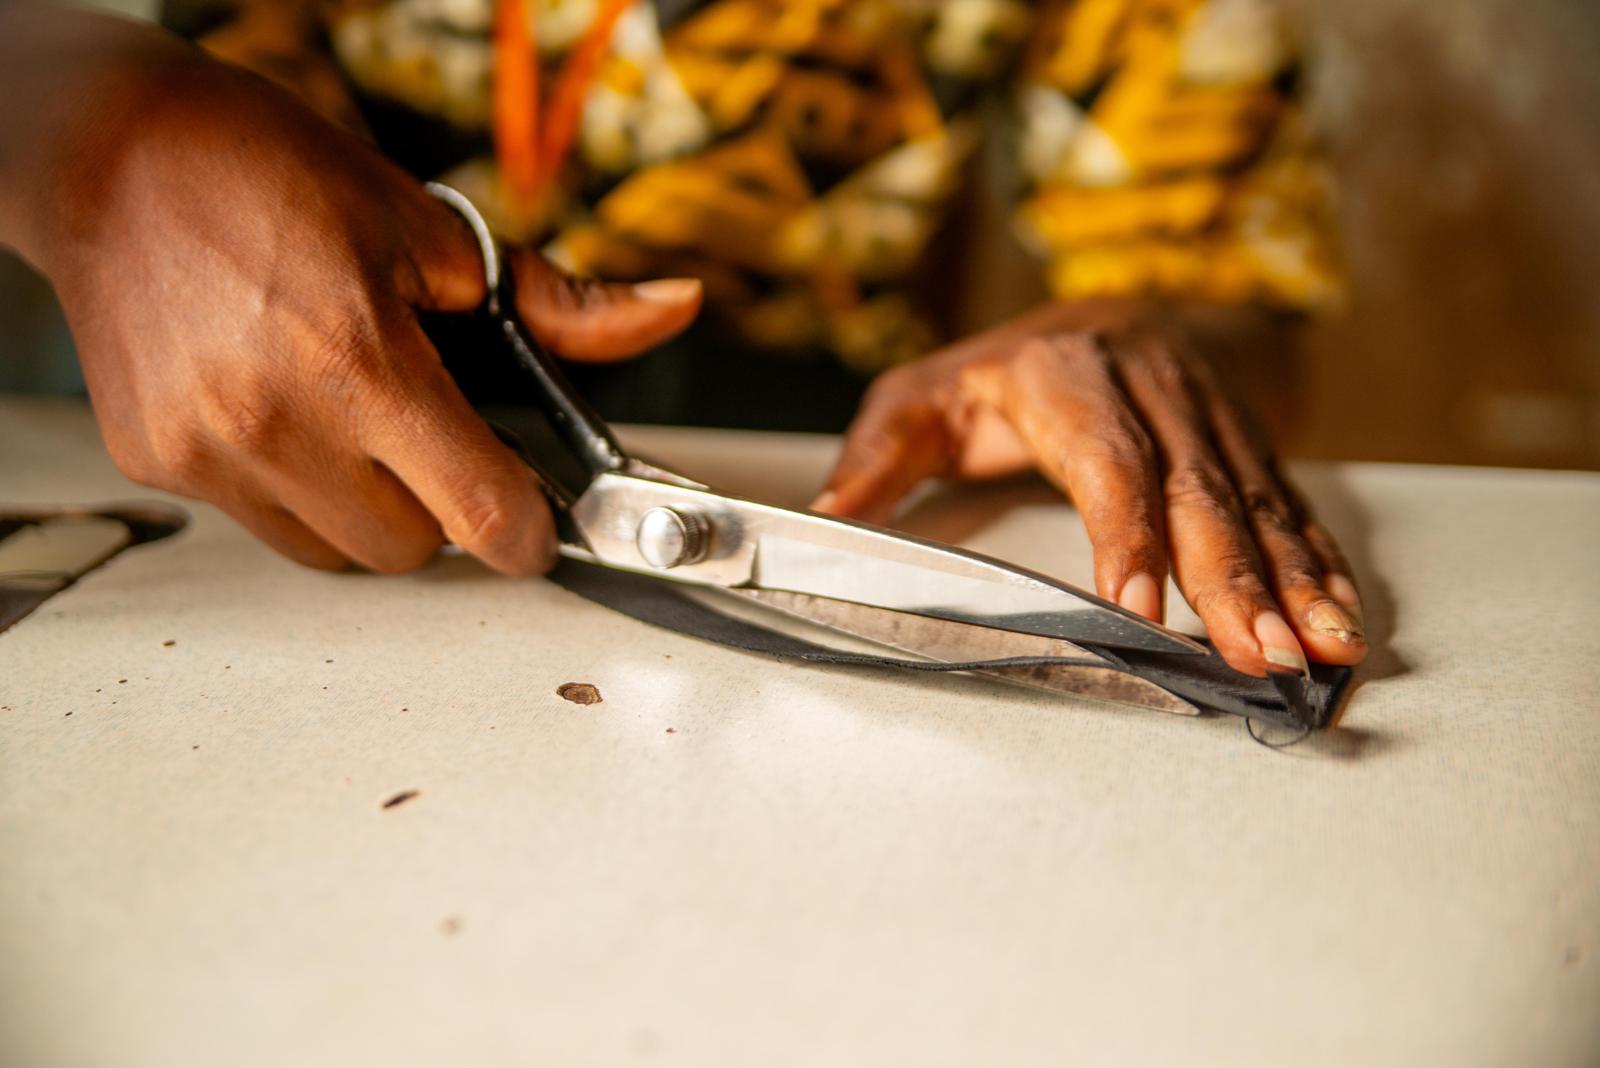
579,693
169,643
672,730
120,681
69,713
451,925
400,798
194,747
327,661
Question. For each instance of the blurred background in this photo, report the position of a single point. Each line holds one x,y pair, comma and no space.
1464,139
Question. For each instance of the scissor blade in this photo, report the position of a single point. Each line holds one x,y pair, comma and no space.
936,581
761,546
1075,671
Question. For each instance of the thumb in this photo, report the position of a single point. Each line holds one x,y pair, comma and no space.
582,319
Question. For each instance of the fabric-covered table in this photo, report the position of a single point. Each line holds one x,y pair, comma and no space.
734,861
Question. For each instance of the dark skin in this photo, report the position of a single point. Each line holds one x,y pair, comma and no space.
243,278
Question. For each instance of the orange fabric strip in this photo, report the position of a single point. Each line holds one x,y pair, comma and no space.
515,102
566,104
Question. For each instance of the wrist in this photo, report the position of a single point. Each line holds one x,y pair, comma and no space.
79,89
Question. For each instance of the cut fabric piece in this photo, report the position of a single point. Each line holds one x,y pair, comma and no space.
1206,681
45,550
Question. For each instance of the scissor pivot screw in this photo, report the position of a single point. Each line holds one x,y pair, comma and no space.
670,538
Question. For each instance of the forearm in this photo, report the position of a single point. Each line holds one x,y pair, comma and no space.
74,84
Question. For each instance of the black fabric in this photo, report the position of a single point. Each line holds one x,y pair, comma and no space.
1206,681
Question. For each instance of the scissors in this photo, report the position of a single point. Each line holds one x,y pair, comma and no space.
938,602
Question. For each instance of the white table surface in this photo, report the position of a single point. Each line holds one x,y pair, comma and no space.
736,861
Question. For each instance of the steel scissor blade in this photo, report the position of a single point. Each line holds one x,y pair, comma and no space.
957,586
761,546
1072,669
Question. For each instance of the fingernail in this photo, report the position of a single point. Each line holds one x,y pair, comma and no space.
825,501
1278,644
1141,595
1344,591
1328,618
668,290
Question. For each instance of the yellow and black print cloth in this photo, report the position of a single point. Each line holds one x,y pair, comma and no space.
797,155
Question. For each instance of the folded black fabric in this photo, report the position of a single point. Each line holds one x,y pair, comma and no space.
1206,681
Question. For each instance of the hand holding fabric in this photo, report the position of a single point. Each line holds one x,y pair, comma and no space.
1121,411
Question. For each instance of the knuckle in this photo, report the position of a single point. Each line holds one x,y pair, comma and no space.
1203,487
243,417
1240,595
1268,508
1298,575
177,456
484,522
546,290
344,358
1113,480
1169,374
494,521
1074,349
1123,445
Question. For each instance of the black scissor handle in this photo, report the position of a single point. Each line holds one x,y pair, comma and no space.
504,372
582,431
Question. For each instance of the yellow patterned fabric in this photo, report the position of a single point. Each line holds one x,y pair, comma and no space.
798,156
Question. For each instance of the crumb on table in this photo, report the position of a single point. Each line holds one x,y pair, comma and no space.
400,798
579,693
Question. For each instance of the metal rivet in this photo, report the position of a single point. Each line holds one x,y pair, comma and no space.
670,538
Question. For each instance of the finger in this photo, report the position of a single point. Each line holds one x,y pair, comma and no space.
1214,557
583,319
484,498
445,270
1338,575
363,511
285,534
187,462
1327,631
1064,400
896,441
